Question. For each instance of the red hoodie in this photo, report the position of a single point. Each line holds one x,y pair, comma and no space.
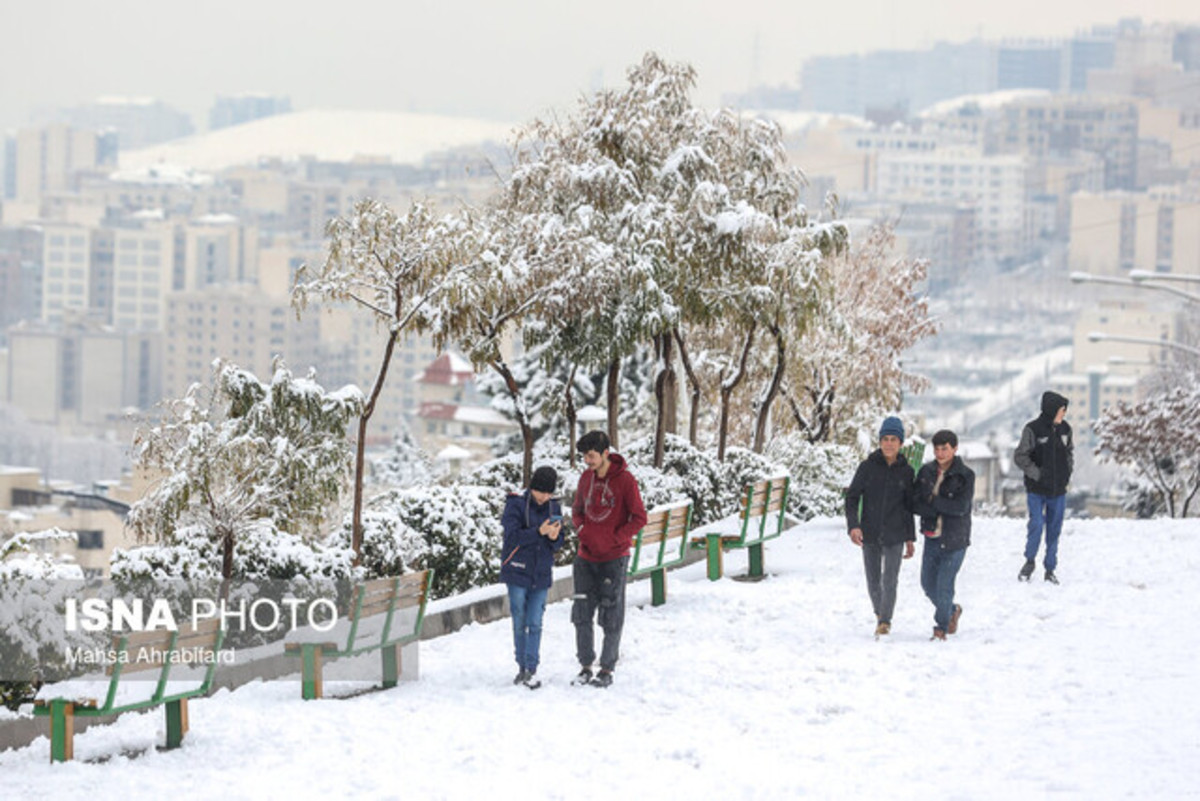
607,512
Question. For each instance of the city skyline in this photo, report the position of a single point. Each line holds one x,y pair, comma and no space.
487,60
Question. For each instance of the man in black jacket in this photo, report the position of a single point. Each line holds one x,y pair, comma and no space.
1046,455
884,526
944,495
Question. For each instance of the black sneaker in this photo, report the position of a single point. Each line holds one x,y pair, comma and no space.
522,676
584,677
532,681
1050,577
1026,571
603,678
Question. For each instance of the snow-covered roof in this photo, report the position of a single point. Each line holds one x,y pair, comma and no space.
161,175
449,368
479,415
452,453
986,102
795,121
324,134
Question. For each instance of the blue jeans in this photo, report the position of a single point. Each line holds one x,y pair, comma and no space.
939,569
527,607
1048,511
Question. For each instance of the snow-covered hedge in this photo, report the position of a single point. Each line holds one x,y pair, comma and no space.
263,552
454,530
33,639
820,472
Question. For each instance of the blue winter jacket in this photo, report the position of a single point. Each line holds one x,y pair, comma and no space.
527,557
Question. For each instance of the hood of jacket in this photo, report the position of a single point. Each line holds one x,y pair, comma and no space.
1051,403
616,465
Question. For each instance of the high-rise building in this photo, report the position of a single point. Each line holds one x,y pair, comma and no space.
1029,64
1087,52
137,121
143,275
80,372
50,158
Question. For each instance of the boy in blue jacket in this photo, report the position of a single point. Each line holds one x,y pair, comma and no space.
945,493
532,522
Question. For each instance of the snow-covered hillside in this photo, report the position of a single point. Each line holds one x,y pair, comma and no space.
775,689
324,134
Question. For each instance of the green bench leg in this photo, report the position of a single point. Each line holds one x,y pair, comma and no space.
311,685
713,546
391,665
756,560
177,722
62,731
658,587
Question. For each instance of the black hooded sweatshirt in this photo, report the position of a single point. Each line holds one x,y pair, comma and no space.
1046,453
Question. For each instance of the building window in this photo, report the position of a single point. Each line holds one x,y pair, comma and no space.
91,540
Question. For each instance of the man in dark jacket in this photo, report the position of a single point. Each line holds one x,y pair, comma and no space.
607,513
532,522
1046,455
884,526
944,494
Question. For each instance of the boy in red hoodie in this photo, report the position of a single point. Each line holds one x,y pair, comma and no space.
607,513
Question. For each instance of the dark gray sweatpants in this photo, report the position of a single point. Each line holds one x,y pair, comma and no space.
881,563
599,586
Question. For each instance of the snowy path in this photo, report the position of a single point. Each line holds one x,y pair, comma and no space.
738,690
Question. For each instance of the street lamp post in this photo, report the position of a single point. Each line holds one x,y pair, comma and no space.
1143,279
1097,336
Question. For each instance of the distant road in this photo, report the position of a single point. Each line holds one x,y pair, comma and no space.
1033,374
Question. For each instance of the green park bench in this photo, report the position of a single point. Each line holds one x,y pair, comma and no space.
375,623
764,505
135,652
661,544
914,452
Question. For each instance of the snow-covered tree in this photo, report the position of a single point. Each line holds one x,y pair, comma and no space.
403,465
392,266
586,187
1158,439
848,360
239,452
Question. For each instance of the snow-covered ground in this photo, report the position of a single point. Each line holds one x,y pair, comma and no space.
774,689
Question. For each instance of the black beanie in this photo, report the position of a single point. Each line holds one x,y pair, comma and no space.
545,479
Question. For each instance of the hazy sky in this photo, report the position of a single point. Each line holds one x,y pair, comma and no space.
498,58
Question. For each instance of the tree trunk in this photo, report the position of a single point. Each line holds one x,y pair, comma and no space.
772,389
727,388
514,390
614,401
664,395
356,534
227,542
694,383
569,409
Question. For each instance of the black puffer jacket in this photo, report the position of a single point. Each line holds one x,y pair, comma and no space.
887,495
1046,453
952,503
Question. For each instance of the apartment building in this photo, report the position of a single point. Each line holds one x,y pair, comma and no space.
1155,231
96,521
994,185
237,323
50,158
1059,125
81,373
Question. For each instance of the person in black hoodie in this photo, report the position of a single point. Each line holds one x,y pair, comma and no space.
1046,455
883,527
532,522
945,493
